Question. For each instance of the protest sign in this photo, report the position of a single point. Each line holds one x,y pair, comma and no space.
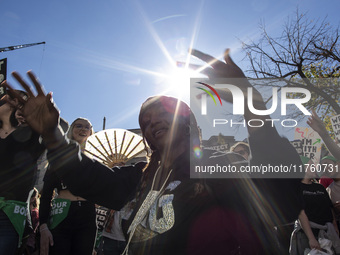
100,217
3,72
336,126
297,144
311,142
3,69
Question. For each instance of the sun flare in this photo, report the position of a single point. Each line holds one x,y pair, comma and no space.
177,80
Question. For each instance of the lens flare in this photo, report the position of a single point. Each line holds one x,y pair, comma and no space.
197,152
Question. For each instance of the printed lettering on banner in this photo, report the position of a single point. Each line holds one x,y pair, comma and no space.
311,142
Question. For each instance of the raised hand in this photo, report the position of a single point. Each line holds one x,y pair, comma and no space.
38,110
219,69
316,123
229,73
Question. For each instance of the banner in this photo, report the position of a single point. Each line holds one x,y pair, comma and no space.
59,211
3,69
100,217
222,148
336,126
311,143
297,144
16,211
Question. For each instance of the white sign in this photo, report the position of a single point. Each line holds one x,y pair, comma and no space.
311,142
336,126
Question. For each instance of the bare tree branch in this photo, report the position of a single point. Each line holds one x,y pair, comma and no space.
305,50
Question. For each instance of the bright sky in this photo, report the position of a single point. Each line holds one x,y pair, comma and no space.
104,58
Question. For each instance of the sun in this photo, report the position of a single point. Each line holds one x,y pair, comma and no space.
176,80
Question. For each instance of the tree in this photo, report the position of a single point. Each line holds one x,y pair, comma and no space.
302,55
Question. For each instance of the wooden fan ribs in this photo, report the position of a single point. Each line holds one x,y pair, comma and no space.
121,147
134,149
108,142
127,147
98,150
121,153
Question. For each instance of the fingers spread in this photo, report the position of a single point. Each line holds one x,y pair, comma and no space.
49,101
215,63
23,84
35,82
205,57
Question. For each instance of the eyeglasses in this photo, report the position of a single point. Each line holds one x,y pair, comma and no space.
81,126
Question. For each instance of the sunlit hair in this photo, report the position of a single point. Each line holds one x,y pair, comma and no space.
70,130
179,109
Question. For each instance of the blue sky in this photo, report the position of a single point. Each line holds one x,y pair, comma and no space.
104,58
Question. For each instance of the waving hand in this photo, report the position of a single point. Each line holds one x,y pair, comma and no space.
38,110
227,69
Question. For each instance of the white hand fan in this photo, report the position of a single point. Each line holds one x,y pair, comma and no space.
114,146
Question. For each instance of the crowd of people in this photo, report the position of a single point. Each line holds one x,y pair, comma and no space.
156,208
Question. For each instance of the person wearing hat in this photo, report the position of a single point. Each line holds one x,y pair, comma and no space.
175,214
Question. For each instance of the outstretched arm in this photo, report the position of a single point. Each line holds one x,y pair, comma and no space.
228,71
267,147
275,147
317,125
83,176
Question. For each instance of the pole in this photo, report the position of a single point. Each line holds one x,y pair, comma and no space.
104,122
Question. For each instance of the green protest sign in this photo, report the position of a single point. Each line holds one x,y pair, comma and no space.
59,211
16,212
